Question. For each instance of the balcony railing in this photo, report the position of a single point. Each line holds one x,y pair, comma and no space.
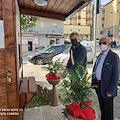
43,30
89,17
74,16
88,9
89,24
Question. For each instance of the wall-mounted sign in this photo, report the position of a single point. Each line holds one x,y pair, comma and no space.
35,41
2,42
55,36
24,42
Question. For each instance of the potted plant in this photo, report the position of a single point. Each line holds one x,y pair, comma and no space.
54,77
77,91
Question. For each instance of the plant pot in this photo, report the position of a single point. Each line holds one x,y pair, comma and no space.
53,82
54,98
69,117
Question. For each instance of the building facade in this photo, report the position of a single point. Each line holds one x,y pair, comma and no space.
100,23
46,32
111,25
82,22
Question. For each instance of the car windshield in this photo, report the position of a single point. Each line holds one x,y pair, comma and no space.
40,48
89,49
66,51
44,49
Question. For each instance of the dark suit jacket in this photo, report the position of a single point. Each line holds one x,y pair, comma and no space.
80,54
109,75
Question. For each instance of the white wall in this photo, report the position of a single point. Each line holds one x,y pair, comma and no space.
42,40
43,28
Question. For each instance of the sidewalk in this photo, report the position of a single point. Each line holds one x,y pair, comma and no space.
48,112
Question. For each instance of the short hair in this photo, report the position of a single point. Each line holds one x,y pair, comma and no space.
106,38
75,33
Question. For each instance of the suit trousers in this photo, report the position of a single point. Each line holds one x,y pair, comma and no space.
106,105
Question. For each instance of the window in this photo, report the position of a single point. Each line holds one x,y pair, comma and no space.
59,49
66,47
54,26
70,29
89,49
103,11
57,41
101,32
102,18
102,25
42,25
51,50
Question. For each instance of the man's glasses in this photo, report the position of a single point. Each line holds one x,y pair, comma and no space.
73,39
104,43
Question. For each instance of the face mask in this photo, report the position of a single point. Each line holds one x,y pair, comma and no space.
74,42
103,47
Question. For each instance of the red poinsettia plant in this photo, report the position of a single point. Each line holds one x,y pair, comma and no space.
77,92
55,70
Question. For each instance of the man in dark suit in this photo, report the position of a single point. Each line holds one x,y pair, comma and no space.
106,77
78,52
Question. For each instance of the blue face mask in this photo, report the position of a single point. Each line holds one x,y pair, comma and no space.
74,41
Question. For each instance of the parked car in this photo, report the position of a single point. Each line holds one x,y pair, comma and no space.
37,49
64,57
47,53
119,81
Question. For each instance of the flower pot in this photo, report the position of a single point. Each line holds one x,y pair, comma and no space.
69,117
53,82
54,98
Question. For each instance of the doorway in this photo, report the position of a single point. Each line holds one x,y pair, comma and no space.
29,45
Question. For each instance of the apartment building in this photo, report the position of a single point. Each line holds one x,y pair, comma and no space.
46,32
100,23
82,22
118,13
112,19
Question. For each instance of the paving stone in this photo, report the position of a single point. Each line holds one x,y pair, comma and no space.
54,113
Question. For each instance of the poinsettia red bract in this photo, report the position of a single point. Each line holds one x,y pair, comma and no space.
52,77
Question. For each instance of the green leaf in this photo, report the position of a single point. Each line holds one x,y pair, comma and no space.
81,88
28,21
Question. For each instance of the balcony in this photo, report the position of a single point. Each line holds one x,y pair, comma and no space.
89,24
43,30
88,9
74,16
88,17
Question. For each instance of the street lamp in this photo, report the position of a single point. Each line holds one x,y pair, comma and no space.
113,24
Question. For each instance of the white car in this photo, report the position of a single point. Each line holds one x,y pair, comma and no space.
64,57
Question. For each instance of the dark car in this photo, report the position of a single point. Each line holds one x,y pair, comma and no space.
119,81
37,49
46,54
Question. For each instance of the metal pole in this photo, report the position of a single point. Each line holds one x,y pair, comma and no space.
95,25
114,27
113,24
